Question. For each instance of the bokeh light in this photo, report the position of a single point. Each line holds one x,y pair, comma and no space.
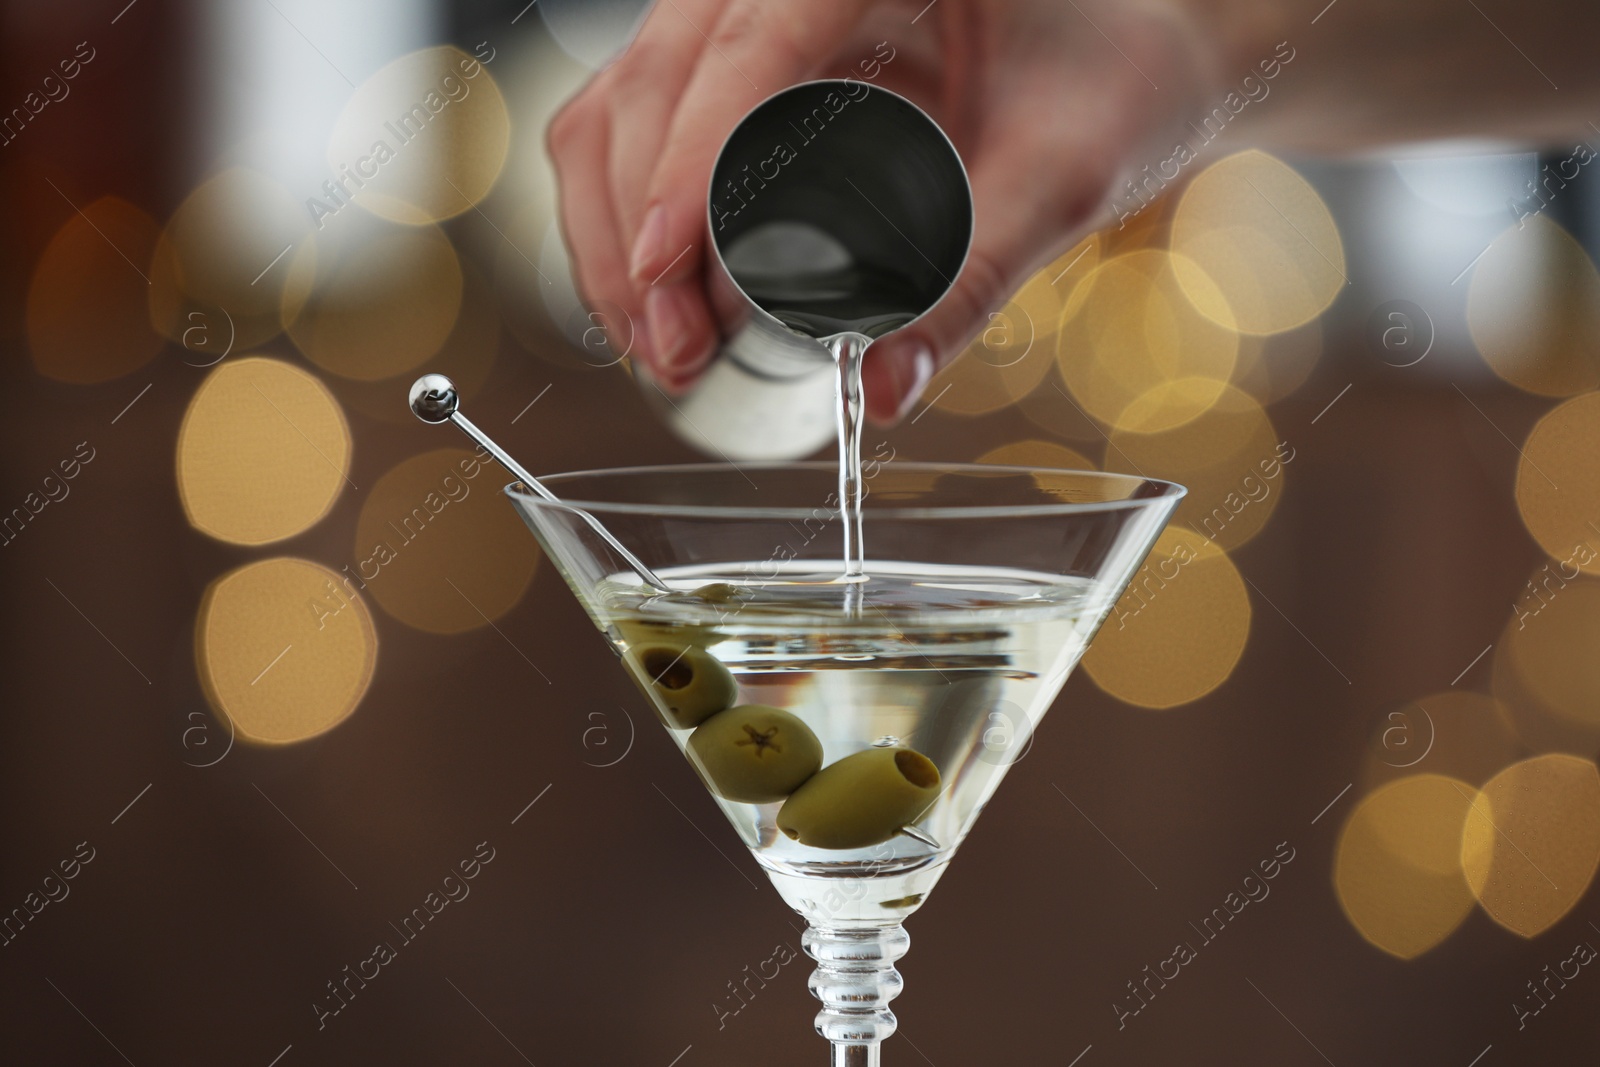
1539,727
87,318
438,548
1005,360
1230,459
1549,644
1046,454
422,140
1258,249
1532,841
1129,333
262,453
285,649
1016,348
1533,307
1274,366
1397,868
1052,409
373,300
1457,733
217,274
467,357
1068,270
1178,631
1558,483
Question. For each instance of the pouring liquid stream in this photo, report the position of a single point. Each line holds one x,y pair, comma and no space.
844,309
847,350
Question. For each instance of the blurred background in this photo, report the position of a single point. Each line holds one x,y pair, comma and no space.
242,741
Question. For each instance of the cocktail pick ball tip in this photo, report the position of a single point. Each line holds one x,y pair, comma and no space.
434,398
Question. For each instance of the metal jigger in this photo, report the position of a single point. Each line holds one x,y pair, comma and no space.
434,400
836,179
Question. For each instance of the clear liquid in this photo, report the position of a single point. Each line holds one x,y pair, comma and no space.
957,664
845,307
848,349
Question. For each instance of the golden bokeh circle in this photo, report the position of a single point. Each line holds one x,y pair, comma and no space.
969,385
467,357
1533,308
1128,330
1258,249
1045,454
375,301
285,649
263,452
87,315
1229,457
1170,405
1539,727
1052,409
422,140
1397,866
1549,643
1178,630
439,548
218,270
1456,733
1016,347
1558,483
1274,366
1070,269
1532,841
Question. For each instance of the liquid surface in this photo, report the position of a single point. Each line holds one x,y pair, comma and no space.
956,665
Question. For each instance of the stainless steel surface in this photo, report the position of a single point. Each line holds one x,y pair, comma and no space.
838,188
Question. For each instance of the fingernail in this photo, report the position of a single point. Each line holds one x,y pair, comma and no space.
894,376
912,365
916,370
647,246
668,328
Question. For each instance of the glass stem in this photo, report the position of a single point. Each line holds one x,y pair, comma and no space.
855,979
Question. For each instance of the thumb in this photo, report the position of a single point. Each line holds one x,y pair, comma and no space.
1020,223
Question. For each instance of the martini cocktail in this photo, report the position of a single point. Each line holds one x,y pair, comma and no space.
850,657
850,729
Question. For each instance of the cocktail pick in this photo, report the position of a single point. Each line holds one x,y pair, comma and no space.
434,400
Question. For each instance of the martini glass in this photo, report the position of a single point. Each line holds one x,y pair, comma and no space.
851,732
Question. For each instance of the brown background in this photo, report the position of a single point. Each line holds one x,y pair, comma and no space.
607,924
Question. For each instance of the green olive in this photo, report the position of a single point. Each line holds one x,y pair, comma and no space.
636,631
691,683
861,800
754,754
718,593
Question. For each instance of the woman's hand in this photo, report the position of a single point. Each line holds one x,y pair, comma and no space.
1050,103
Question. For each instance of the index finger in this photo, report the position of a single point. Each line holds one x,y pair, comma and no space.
756,48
